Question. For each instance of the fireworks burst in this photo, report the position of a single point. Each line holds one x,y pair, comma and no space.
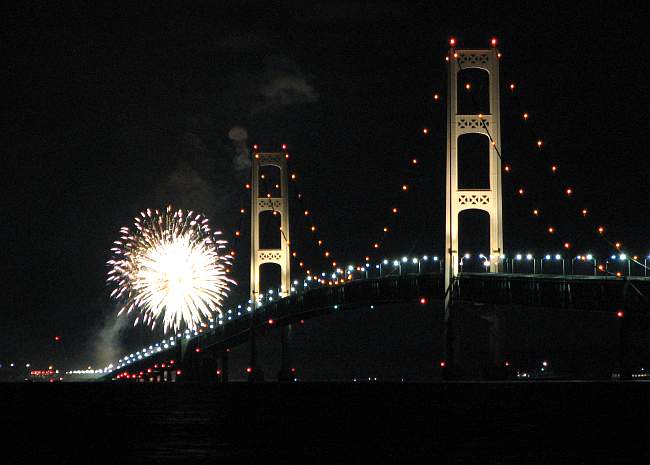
170,267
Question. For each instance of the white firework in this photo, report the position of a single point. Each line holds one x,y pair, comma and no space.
170,267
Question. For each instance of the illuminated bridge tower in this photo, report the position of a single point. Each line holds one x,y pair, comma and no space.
488,200
276,204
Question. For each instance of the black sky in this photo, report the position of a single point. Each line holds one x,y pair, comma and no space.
113,109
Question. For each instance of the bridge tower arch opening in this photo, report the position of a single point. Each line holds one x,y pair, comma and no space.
473,239
460,198
279,207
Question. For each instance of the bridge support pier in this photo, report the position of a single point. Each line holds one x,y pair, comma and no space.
285,374
449,364
224,367
496,368
255,373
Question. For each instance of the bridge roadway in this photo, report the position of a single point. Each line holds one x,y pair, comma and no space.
571,292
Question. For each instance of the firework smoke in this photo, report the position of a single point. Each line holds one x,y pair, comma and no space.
169,268
239,136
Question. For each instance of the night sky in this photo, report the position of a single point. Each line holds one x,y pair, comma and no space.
112,110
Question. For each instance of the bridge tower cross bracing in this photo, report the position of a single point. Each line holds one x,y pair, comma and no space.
489,125
276,204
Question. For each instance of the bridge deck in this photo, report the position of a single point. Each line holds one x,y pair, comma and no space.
580,293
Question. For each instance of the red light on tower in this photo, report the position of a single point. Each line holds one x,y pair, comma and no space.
423,300
452,42
249,370
271,321
620,314
57,338
493,42
284,146
197,350
443,364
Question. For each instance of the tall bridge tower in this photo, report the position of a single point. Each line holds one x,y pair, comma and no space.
276,204
488,200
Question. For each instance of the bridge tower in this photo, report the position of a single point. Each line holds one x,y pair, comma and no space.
489,125
276,204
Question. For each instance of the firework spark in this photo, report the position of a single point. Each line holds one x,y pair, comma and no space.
169,267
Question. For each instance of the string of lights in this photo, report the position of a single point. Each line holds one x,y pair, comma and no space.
569,191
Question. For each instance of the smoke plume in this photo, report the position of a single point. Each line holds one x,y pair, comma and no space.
239,136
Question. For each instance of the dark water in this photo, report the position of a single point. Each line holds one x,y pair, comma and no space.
495,423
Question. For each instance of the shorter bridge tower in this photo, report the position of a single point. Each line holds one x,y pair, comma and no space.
276,204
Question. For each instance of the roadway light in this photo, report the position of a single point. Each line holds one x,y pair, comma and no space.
590,257
395,263
467,255
529,257
435,259
385,262
425,258
518,256
404,259
622,256
558,256
415,260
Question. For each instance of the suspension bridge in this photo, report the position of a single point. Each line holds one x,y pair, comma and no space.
611,292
